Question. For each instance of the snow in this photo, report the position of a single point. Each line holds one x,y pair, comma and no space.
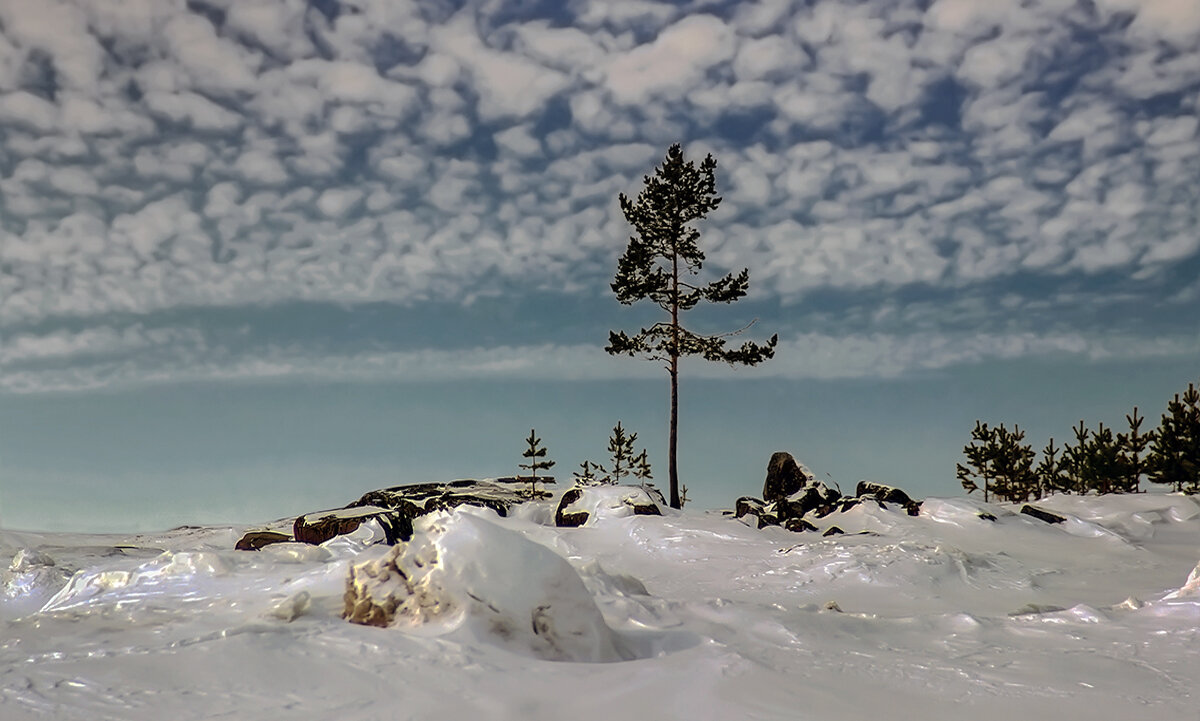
969,609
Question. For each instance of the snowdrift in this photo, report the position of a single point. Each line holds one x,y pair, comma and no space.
967,608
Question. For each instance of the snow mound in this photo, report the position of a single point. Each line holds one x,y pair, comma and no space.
466,577
170,569
30,579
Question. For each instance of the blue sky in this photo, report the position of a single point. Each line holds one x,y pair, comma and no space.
259,256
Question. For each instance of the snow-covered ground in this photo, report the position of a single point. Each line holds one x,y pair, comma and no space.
946,615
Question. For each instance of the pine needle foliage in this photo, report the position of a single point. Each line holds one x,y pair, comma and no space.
1175,451
658,265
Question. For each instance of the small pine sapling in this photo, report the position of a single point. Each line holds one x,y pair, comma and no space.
1175,451
1133,444
586,475
620,448
535,453
1049,472
1106,470
1075,461
979,461
641,468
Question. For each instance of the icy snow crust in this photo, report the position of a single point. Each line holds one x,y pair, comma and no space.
944,615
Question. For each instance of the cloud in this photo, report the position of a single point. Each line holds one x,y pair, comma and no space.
159,157
134,357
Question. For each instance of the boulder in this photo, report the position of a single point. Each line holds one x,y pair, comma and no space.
254,540
1042,515
889,494
832,531
581,503
784,477
798,525
748,506
569,519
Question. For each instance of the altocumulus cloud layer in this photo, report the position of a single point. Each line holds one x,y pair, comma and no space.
912,184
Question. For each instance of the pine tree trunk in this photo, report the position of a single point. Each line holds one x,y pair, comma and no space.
673,438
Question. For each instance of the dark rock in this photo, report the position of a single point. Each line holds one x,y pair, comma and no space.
321,526
848,503
396,507
832,531
747,505
913,508
1042,515
881,492
798,524
784,477
809,498
254,540
986,516
569,519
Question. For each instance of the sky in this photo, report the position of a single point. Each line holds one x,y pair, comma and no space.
258,257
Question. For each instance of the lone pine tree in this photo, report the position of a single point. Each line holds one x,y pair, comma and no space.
536,453
656,266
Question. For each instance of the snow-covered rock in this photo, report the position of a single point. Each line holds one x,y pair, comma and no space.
587,505
463,575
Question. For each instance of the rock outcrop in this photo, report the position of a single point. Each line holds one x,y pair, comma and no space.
395,508
792,496
255,540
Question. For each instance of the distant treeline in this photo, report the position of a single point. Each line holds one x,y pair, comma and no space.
1000,462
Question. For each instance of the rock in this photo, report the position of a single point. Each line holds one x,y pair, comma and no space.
396,507
748,506
832,531
417,499
848,503
986,516
810,498
579,504
570,519
889,494
254,540
784,477
1042,515
913,508
798,525
316,528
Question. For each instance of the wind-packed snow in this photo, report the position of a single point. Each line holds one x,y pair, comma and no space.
966,610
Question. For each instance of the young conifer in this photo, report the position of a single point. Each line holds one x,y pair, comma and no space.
979,461
536,453
1133,446
657,265
1049,472
1175,451
1076,460
586,475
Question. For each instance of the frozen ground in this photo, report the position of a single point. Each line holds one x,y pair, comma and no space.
942,616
